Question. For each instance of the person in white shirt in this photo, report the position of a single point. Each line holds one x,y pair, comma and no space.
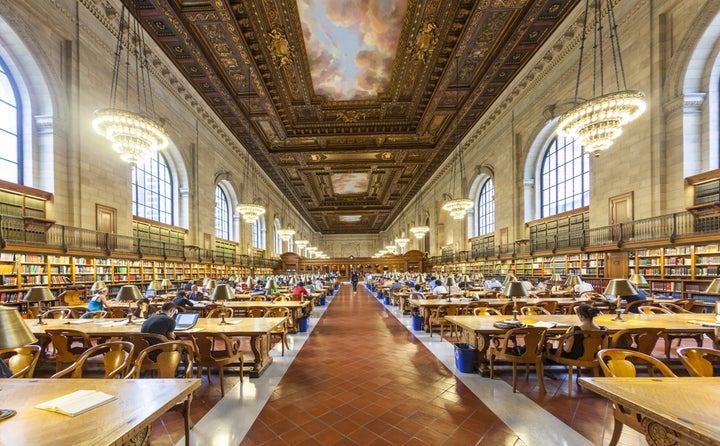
582,287
440,289
492,283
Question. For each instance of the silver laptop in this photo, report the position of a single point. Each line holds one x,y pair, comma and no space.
186,321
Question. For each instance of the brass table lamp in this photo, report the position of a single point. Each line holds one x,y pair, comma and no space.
39,294
513,290
619,288
130,294
221,293
14,333
571,281
166,285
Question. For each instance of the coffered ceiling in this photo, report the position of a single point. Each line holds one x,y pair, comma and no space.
350,159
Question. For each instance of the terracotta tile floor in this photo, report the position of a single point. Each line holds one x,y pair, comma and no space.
363,378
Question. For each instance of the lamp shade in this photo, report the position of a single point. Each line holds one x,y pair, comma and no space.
620,288
154,285
166,284
450,281
714,287
128,293
420,278
210,284
15,332
466,279
97,286
639,280
509,278
555,277
38,294
572,280
514,289
271,284
222,292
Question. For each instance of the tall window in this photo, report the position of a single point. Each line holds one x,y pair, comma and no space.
258,233
153,190
222,214
565,180
278,240
10,141
486,208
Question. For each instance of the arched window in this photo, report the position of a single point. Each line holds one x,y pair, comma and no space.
10,123
486,208
222,214
152,188
258,233
278,240
565,177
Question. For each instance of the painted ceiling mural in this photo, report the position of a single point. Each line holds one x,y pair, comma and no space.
351,45
349,106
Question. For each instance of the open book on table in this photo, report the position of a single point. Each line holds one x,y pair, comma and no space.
547,324
77,402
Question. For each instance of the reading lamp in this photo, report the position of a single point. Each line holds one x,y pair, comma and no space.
512,290
509,278
166,285
221,293
713,288
39,294
271,285
619,288
15,333
155,286
97,286
130,294
571,281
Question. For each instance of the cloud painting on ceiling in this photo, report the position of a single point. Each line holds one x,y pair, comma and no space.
349,218
351,45
350,183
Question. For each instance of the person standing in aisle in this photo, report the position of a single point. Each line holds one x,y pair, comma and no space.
354,280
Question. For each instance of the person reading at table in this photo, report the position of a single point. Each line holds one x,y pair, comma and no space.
299,291
492,283
161,323
574,347
99,301
182,301
144,310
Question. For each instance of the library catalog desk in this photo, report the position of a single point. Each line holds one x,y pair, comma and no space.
671,411
126,420
478,330
256,328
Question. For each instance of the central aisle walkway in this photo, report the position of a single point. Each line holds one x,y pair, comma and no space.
362,378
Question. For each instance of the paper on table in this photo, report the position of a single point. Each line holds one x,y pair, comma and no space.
704,323
189,330
546,324
77,402
78,321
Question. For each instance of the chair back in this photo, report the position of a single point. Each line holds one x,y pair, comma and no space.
94,315
282,298
220,312
534,339
674,308
117,356
276,312
633,306
686,303
549,305
65,343
649,309
57,313
620,363
205,347
116,312
641,340
140,340
698,360
21,360
533,310
168,357
543,294
254,312
486,311
593,341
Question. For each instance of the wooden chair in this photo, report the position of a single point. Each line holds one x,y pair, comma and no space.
65,342
140,340
616,363
209,356
282,329
21,360
687,304
57,313
94,315
641,340
543,294
220,312
486,311
549,305
437,318
673,308
593,342
533,310
633,306
117,357
650,309
534,338
116,313
698,360
254,312
168,357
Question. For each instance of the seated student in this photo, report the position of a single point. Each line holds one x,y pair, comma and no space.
582,287
99,301
258,290
161,323
299,291
492,283
182,301
542,285
195,293
188,286
439,289
528,285
573,347
640,295
144,310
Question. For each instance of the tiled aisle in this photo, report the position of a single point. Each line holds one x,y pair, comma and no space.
362,378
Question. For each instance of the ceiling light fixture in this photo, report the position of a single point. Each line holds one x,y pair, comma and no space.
419,230
285,233
596,123
133,134
249,209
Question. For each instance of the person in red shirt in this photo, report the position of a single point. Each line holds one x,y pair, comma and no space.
299,291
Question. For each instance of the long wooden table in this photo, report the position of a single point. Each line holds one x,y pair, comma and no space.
126,420
478,330
672,411
256,328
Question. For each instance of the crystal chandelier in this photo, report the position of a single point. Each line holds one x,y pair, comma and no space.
419,230
133,134
249,210
390,249
301,243
457,207
286,234
598,122
402,242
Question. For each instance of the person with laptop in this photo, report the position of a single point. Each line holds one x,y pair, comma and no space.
181,300
161,323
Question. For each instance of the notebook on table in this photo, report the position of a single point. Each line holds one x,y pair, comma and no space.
186,321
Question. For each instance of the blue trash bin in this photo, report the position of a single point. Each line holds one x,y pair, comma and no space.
302,324
464,357
379,294
323,301
386,300
417,322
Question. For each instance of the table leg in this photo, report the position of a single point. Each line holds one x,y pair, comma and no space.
481,342
259,346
